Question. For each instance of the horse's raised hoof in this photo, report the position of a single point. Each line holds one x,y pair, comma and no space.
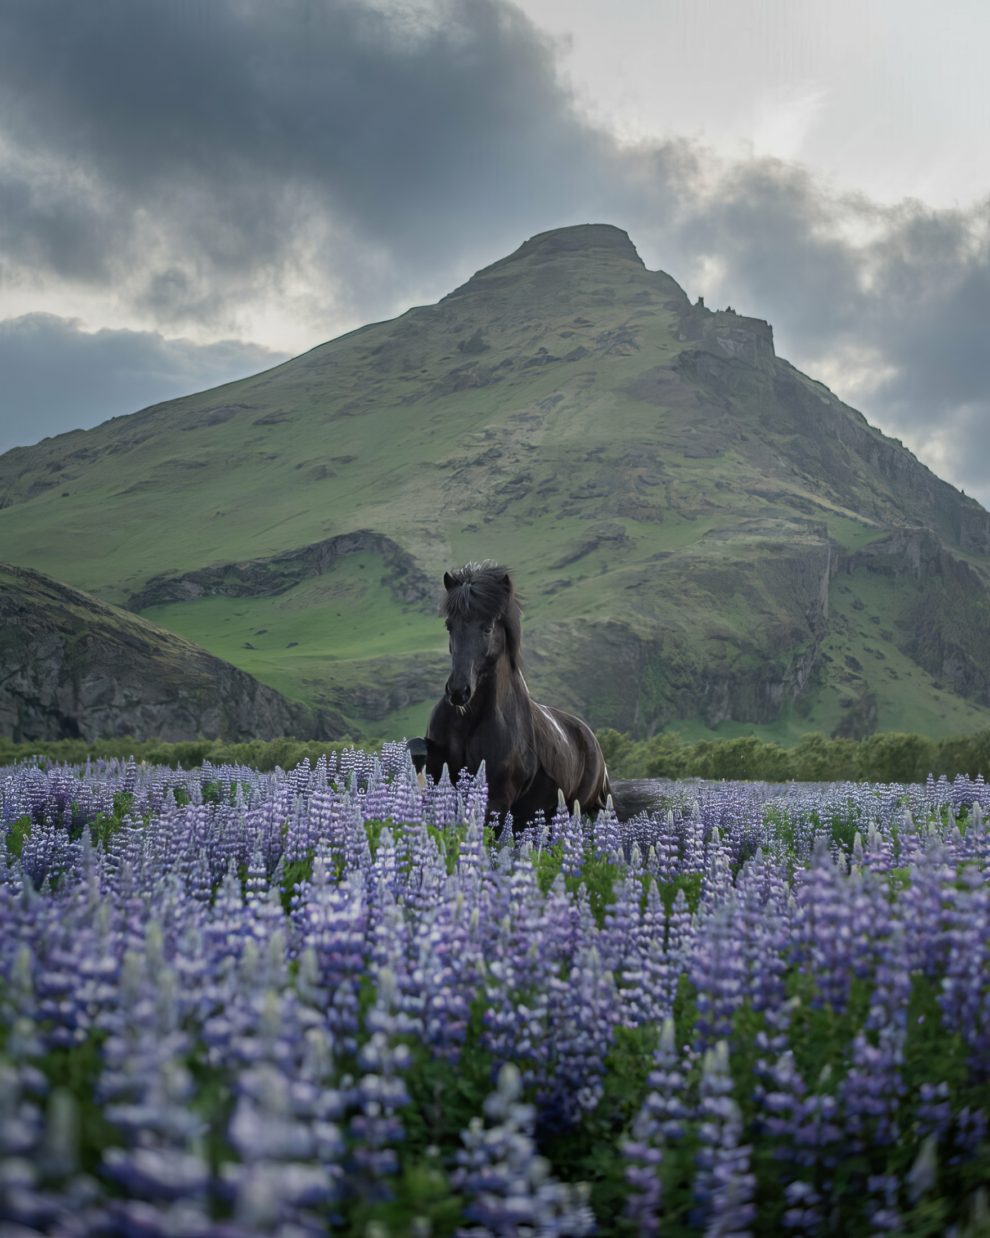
418,753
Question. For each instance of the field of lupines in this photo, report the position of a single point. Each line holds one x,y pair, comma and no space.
287,1003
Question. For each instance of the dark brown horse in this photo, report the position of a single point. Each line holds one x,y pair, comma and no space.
532,752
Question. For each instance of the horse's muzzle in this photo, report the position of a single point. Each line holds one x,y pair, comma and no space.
458,696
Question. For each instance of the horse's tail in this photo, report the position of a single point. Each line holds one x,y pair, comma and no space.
631,796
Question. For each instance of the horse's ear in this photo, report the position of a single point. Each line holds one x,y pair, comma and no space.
448,581
507,581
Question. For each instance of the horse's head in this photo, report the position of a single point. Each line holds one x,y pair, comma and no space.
483,618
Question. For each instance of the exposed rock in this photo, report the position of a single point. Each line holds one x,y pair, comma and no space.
608,536
74,666
945,622
279,573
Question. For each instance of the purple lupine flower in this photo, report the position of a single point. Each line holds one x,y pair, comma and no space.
716,870
934,1111
681,927
442,802
380,1092
724,1185
582,1015
666,845
605,836
508,1187
718,971
661,1120
571,837
871,1091
964,1001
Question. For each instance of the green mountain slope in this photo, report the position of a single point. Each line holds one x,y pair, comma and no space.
700,533
71,665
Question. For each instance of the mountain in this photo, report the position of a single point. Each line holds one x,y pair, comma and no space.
701,534
71,665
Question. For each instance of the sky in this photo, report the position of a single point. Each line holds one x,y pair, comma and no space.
193,190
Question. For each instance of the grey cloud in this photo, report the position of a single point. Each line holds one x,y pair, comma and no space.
57,377
44,226
906,288
236,127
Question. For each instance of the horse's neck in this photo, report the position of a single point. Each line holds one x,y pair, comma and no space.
504,691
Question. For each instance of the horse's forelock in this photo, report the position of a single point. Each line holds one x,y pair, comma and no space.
485,591
478,590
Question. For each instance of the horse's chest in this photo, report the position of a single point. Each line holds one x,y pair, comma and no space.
481,746
506,758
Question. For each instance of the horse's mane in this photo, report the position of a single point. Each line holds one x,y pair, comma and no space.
485,591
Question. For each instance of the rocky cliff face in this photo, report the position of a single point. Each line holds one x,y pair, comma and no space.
269,577
74,666
944,624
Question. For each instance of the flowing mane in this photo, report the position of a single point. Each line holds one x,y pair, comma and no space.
485,591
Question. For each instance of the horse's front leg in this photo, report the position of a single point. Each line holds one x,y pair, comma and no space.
428,757
508,793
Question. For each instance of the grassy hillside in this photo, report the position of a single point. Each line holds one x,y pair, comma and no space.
675,502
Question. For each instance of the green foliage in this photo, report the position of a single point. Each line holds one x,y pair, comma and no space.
817,759
187,754
16,834
446,1095
590,1151
213,1101
448,841
883,757
598,876
75,1071
690,883
886,756
104,825
423,1201
295,872
893,757
547,863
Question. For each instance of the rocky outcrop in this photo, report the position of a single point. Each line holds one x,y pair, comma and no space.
73,666
944,625
391,685
641,683
279,573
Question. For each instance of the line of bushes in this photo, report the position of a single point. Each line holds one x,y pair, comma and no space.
257,753
888,756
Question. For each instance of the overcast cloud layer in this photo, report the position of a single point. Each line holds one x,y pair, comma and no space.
56,376
218,171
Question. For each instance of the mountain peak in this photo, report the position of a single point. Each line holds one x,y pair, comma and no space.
578,238
579,244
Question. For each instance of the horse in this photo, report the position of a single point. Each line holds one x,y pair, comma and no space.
535,755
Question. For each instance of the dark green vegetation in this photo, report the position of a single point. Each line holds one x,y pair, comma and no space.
701,534
73,666
883,757
259,754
